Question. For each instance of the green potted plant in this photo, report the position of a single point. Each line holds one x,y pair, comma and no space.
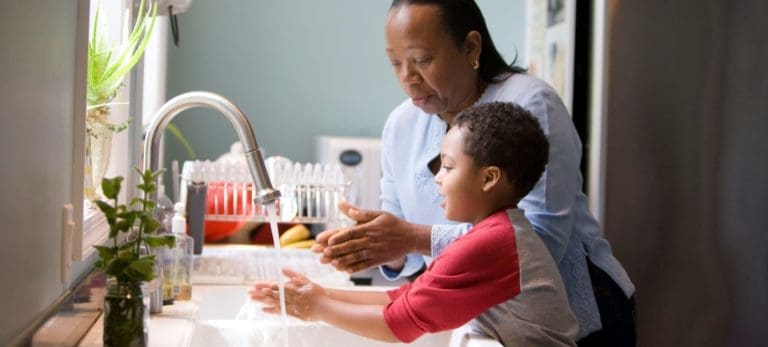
126,263
107,66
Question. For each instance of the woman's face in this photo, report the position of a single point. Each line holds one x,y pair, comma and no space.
435,72
460,180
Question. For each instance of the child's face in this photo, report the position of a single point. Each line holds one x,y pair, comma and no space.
459,179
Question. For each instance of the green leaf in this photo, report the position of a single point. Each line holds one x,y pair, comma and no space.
128,246
114,229
127,256
147,187
106,252
146,176
156,174
160,240
108,210
111,187
115,267
136,201
151,257
143,267
122,209
149,205
150,187
150,223
182,140
125,213
124,225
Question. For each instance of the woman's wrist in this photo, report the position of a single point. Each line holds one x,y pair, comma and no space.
419,238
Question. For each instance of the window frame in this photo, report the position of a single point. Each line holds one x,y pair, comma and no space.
91,227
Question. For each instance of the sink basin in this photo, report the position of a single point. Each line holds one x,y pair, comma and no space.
270,333
219,308
227,317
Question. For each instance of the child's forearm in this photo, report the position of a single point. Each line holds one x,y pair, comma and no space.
363,320
362,297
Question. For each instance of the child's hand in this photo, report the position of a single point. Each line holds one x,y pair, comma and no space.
301,296
262,292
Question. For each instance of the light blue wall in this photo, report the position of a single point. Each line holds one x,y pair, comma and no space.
297,68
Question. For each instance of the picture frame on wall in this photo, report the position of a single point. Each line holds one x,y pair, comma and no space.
550,42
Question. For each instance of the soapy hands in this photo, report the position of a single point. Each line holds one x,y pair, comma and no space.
302,296
378,238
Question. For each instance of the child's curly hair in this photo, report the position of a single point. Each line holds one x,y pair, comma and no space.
507,136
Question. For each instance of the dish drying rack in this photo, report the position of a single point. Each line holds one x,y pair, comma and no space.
310,192
239,264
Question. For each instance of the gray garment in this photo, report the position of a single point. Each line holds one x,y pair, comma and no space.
540,314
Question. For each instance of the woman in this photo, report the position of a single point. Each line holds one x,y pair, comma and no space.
445,61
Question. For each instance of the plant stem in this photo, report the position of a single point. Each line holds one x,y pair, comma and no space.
114,238
141,224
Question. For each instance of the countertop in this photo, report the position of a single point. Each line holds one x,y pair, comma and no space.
172,327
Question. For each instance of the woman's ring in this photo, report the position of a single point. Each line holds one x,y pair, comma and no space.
365,254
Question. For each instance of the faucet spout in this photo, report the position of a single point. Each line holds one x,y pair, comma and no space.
264,192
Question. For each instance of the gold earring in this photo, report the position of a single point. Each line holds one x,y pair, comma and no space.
476,64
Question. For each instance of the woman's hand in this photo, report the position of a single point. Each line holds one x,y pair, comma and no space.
378,238
302,296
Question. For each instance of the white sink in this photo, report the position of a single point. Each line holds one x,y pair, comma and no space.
218,307
270,333
221,294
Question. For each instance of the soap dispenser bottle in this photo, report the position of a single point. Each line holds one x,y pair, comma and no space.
197,196
164,211
177,267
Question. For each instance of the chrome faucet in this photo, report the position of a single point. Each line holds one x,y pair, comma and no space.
264,192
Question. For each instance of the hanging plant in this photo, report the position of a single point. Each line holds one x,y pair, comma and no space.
108,65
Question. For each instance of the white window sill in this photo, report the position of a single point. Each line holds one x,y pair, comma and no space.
95,231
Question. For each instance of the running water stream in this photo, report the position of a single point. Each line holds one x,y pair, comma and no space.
272,215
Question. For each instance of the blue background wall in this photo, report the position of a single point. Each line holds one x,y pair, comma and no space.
298,69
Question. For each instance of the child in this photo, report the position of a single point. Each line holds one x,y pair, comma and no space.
499,277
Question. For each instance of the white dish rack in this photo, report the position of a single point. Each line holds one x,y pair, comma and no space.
310,192
244,264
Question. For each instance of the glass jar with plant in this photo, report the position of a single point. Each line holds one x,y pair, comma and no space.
126,263
107,66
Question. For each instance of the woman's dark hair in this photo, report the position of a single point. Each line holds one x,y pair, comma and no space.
505,135
459,18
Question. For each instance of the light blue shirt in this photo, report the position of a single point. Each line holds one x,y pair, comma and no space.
556,207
